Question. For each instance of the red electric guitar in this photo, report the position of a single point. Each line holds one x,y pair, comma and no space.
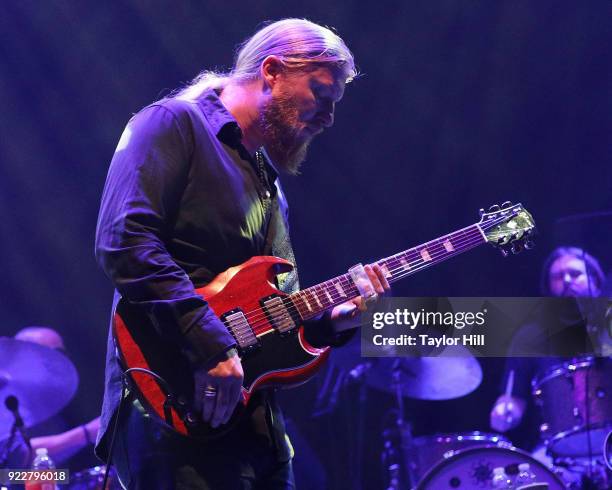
266,322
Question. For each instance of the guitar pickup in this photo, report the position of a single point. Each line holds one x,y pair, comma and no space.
239,327
279,314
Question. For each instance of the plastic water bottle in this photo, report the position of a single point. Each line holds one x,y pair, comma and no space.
525,475
500,479
41,462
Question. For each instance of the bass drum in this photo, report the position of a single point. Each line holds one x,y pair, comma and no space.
472,469
427,451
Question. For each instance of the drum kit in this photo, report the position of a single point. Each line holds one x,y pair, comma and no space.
36,383
575,399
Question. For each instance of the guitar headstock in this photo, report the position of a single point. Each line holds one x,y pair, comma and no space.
509,227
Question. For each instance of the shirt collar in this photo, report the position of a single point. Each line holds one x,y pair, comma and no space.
227,130
226,127
220,119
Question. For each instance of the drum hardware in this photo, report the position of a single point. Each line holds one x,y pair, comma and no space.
428,378
472,468
31,373
422,378
583,472
428,451
393,457
357,375
93,479
574,398
404,430
449,376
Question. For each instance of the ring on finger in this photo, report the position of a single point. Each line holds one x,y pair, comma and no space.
210,391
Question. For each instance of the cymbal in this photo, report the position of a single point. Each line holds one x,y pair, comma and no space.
42,379
427,378
456,373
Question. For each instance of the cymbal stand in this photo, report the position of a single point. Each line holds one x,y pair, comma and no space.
401,475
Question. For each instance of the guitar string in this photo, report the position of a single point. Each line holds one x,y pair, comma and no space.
338,299
347,284
258,320
260,323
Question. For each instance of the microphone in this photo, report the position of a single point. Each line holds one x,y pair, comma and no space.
12,404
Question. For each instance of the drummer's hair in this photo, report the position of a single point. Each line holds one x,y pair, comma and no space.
593,268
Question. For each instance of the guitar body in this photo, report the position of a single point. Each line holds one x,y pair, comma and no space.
266,323
279,358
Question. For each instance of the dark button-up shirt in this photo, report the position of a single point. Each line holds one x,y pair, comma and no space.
183,202
181,205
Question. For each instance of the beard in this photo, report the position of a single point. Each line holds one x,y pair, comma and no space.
279,124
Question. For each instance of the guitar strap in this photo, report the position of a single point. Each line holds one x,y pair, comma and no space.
276,222
278,242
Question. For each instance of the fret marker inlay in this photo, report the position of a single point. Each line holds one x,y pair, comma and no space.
305,298
425,255
448,245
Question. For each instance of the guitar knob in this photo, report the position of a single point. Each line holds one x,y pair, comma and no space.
494,208
504,252
516,248
529,245
507,204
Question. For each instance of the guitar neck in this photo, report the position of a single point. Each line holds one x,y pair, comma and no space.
314,300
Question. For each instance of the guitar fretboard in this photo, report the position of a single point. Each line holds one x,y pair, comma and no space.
312,301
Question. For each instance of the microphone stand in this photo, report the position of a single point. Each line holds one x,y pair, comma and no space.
12,405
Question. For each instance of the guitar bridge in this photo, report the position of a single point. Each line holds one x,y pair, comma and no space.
239,327
278,314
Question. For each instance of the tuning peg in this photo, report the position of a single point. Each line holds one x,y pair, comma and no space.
494,208
481,212
506,205
516,248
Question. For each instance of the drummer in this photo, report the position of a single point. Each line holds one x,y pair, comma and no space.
567,272
61,445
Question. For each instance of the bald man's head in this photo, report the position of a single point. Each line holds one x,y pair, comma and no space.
41,335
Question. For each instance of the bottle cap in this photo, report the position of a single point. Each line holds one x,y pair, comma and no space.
41,451
523,466
499,471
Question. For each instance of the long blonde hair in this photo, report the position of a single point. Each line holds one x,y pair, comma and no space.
298,43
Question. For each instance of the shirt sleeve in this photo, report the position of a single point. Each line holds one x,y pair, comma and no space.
321,333
141,197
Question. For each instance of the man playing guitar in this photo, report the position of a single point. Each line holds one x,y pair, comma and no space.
191,192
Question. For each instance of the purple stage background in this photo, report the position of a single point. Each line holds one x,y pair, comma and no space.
461,105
